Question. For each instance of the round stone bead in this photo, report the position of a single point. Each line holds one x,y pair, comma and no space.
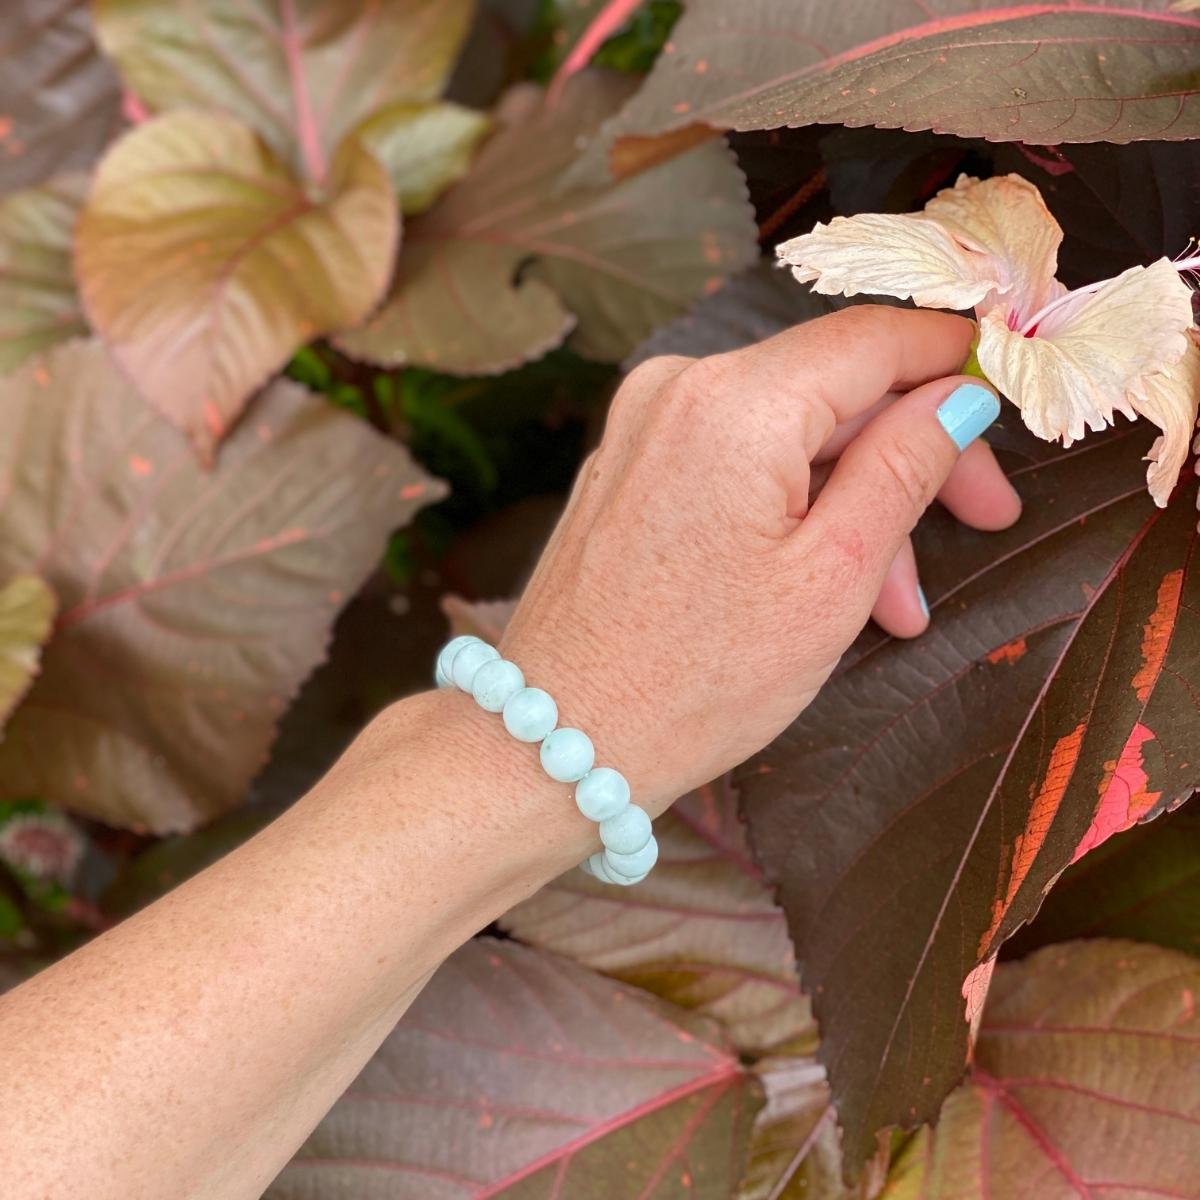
468,660
602,793
495,683
627,832
567,754
446,657
530,714
636,864
596,866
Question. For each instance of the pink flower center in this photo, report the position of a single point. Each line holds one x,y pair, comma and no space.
1030,327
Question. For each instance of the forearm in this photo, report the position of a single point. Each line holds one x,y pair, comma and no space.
189,1051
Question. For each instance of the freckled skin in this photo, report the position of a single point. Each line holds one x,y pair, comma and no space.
697,592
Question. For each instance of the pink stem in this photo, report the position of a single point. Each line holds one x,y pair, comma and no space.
132,108
306,124
610,18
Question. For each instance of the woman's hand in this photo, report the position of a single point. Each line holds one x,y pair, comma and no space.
695,595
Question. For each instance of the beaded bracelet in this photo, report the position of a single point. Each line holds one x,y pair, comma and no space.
567,755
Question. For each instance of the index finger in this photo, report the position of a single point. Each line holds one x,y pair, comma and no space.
832,370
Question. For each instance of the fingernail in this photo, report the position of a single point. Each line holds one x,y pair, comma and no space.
922,601
967,412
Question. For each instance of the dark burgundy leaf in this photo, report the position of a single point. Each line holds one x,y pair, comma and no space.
917,812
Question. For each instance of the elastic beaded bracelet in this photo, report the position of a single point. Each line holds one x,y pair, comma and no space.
567,755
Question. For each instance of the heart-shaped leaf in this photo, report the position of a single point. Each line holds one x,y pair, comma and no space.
192,603
1084,1084
916,813
519,253
205,264
1143,884
1079,72
702,930
38,300
303,73
26,614
60,100
517,1074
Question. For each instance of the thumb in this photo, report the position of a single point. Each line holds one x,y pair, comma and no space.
884,481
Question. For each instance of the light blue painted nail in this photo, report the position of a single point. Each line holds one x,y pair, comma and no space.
922,601
967,412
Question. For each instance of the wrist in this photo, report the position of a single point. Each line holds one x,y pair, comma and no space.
512,828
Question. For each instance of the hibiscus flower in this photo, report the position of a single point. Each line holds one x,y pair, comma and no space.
1068,360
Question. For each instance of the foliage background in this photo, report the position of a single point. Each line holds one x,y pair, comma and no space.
222,556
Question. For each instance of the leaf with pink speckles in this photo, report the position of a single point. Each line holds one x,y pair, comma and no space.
519,1075
1107,70
191,604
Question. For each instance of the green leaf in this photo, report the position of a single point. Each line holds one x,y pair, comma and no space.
917,812
60,100
1084,1084
38,301
519,252
206,265
1143,884
701,931
303,73
26,616
517,1074
424,147
1104,71
192,603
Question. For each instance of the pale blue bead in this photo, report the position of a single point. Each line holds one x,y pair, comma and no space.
446,657
598,868
495,682
628,831
468,660
602,793
637,863
567,754
530,714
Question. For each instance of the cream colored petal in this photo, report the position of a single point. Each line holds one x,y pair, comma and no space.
1088,357
1007,219
1170,399
884,255
976,245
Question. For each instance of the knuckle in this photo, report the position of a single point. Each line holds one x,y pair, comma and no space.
643,387
907,473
